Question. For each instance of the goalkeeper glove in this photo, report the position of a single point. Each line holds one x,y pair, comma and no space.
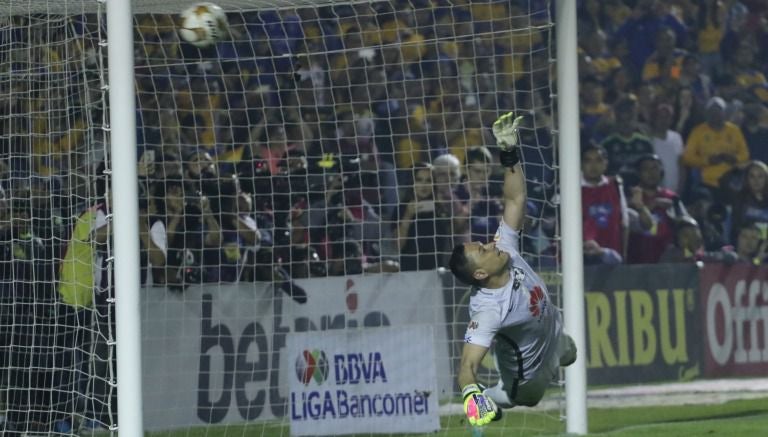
480,409
506,130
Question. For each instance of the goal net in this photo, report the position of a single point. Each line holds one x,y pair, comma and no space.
302,183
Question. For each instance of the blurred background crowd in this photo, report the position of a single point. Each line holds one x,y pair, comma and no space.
355,138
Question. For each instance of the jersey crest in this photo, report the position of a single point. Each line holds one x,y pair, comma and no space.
518,276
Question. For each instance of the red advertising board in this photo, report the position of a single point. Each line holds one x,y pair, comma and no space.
734,316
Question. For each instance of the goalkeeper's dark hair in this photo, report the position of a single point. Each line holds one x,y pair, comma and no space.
461,266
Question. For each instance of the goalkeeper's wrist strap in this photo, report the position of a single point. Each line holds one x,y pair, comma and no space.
469,390
509,158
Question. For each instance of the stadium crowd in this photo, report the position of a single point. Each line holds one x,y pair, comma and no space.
346,139
338,140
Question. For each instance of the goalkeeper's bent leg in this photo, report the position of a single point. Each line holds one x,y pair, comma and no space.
567,349
499,395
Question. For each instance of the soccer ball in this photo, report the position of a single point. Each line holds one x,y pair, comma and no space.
203,24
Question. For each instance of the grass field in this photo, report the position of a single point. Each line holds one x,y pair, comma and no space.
735,418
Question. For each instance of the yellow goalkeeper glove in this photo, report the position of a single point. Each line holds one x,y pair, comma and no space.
479,408
506,129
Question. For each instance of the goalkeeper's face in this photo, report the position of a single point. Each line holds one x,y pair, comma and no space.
488,260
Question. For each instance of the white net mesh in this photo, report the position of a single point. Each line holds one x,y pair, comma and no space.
309,173
56,299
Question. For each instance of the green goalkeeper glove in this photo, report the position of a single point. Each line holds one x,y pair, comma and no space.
506,130
480,409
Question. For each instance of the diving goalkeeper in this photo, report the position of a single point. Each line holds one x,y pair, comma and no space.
510,308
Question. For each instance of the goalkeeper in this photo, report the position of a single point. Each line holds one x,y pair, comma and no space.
510,306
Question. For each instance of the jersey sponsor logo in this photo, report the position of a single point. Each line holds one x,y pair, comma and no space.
537,303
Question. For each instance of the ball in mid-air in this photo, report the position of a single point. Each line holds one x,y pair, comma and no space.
203,24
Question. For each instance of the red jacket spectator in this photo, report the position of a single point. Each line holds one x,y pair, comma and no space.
658,208
604,208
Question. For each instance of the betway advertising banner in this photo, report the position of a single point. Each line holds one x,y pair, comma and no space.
363,381
734,312
216,354
642,324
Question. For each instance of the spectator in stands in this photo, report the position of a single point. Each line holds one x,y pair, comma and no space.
750,204
27,298
295,249
289,194
755,130
715,146
687,244
666,62
167,231
241,237
343,214
710,29
83,314
602,63
484,205
191,229
750,245
607,15
201,173
451,197
168,166
710,217
658,209
604,209
417,226
538,161
152,235
695,80
593,108
649,95
271,147
668,146
647,19
749,80
626,144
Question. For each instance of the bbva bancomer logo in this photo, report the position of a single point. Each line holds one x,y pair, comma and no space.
312,365
349,368
341,400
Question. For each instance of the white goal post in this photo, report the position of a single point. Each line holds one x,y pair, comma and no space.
571,225
126,218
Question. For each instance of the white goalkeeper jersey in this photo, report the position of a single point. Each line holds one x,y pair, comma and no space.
520,312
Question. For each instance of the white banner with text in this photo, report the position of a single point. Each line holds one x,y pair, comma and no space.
378,380
215,354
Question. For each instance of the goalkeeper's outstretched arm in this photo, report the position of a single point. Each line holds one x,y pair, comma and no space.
471,356
515,197
505,129
479,408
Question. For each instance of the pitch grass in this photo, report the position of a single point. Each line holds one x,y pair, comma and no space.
735,418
